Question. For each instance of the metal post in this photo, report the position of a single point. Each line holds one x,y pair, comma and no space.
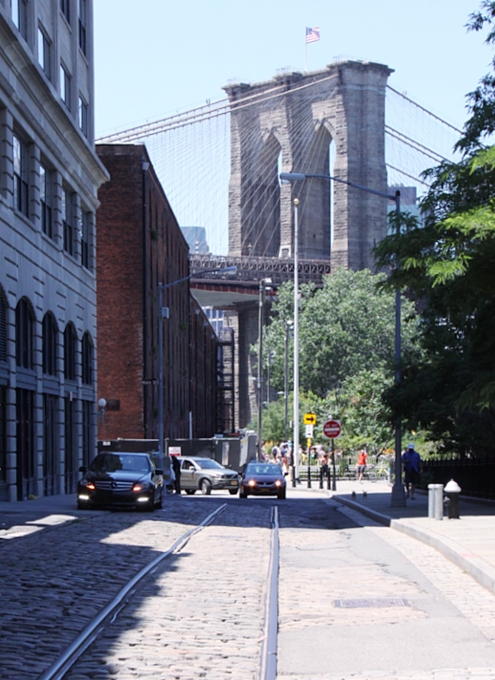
160,374
260,371
334,485
398,499
286,380
295,443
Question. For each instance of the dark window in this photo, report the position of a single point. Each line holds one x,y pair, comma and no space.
46,200
87,432
50,445
70,446
82,24
65,86
85,236
67,221
44,49
65,9
49,345
19,16
24,327
70,340
3,433
83,116
20,175
87,360
3,328
25,443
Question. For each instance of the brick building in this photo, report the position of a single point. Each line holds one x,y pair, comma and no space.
49,177
140,245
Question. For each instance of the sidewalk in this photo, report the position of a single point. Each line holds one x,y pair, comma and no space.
469,542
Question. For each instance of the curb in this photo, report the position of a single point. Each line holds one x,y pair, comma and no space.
481,571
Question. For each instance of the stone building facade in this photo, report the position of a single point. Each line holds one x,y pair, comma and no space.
140,245
49,177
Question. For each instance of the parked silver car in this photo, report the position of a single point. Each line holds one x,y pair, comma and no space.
206,474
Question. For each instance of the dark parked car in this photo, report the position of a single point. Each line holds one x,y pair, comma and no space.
262,479
206,474
121,479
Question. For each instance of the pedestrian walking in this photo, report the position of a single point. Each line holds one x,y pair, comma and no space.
176,469
324,468
412,469
361,465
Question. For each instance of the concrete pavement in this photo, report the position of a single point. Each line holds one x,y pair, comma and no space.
469,542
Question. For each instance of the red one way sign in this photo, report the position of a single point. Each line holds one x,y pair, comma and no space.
331,429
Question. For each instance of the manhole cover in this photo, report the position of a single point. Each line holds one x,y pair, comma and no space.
379,602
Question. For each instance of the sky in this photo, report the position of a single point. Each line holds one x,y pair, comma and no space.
156,57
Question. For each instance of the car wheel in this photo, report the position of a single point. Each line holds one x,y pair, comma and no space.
205,486
242,494
233,492
190,492
281,495
82,506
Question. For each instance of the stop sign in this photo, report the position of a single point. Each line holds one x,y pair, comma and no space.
331,429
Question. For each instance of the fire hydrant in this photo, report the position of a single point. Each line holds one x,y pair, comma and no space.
452,491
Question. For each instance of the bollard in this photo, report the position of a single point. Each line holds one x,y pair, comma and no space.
435,501
452,491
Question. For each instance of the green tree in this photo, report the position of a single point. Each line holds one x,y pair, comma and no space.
449,268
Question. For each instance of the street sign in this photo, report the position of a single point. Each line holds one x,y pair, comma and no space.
331,429
309,419
309,430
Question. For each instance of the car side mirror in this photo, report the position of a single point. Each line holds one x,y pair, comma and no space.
83,468
158,471
286,474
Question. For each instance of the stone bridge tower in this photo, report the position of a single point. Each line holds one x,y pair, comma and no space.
325,122
291,123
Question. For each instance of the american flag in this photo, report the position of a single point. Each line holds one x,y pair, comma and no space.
312,34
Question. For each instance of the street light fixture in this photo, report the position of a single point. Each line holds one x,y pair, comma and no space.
398,498
163,313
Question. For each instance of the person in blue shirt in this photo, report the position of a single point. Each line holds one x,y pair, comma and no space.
412,469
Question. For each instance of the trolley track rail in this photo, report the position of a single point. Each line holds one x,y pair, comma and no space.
75,653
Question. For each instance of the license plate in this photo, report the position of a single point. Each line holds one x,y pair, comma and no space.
234,482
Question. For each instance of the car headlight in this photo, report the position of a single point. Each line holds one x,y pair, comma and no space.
251,482
278,482
90,485
141,486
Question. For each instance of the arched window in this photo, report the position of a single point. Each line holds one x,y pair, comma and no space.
3,328
49,345
87,360
24,334
70,340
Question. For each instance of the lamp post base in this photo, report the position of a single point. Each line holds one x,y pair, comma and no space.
398,496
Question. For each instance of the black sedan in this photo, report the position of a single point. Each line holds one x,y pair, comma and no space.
121,479
262,479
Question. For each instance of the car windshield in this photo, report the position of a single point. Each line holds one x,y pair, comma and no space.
263,469
111,462
208,464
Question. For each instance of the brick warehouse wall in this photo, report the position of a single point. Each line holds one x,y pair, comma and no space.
139,245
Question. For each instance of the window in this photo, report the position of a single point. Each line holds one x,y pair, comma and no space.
19,16
44,52
85,236
67,221
65,9
3,328
24,328
82,25
87,360
20,175
70,352
65,86
46,200
83,116
49,345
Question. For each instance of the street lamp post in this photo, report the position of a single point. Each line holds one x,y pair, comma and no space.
295,443
398,497
163,313
288,326
261,309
